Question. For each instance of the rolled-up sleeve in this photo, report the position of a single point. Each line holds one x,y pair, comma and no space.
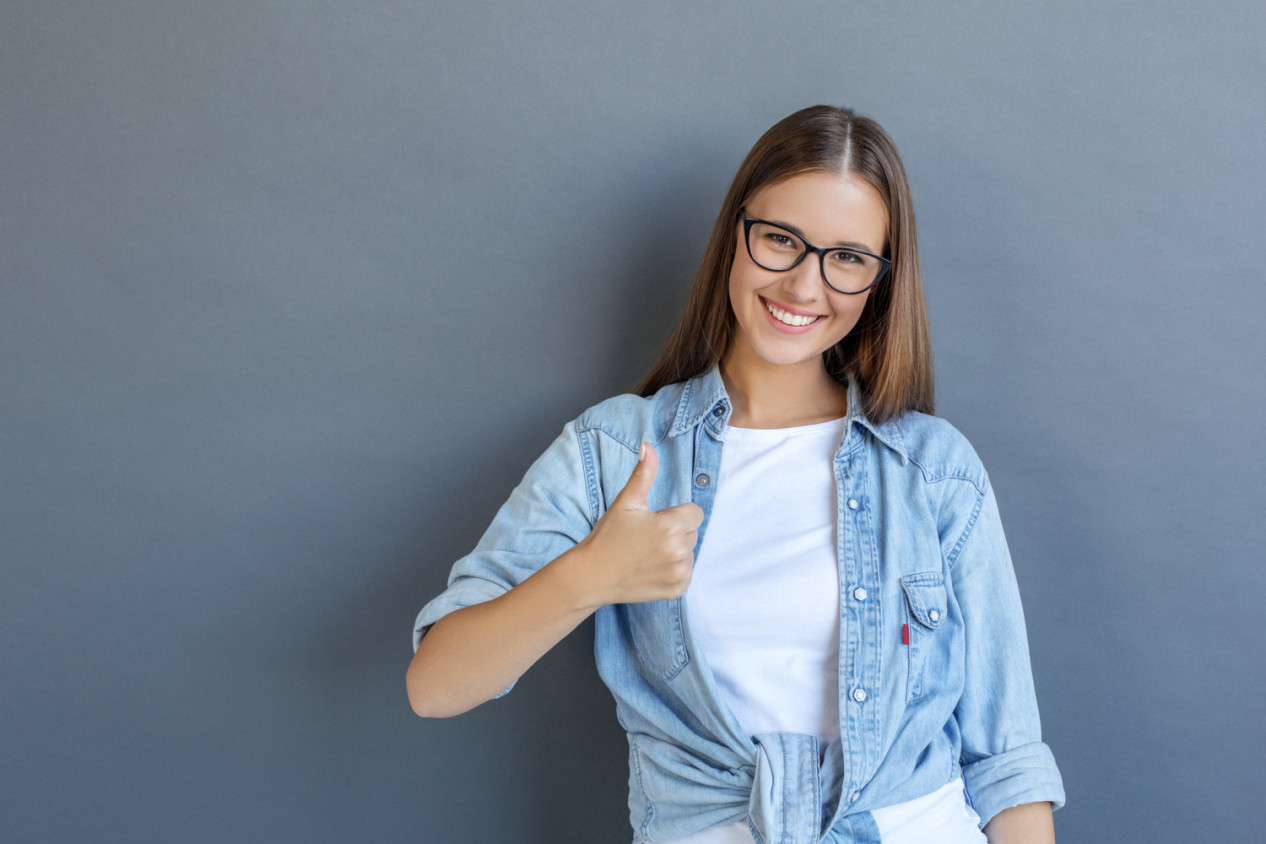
551,510
1004,761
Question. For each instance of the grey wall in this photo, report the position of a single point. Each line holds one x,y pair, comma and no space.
293,292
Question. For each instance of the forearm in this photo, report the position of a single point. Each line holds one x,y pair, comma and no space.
1030,823
475,653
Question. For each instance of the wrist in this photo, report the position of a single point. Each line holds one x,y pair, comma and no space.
572,580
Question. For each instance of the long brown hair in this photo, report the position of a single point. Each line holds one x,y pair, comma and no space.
888,352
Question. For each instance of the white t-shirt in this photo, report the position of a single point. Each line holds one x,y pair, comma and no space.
764,598
763,605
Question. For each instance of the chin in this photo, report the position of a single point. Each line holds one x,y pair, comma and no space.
787,357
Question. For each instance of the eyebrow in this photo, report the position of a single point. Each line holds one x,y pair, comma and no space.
845,244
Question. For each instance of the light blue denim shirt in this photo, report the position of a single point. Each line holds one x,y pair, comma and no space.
934,676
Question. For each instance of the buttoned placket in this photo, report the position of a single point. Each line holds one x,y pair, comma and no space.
705,465
860,616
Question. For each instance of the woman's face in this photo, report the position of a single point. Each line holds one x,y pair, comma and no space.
826,209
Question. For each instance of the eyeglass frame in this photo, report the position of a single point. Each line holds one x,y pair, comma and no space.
748,222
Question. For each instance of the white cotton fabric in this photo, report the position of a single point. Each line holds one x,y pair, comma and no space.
942,816
763,601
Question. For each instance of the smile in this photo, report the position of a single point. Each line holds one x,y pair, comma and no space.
789,319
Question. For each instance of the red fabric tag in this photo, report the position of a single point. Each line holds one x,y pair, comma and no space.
905,634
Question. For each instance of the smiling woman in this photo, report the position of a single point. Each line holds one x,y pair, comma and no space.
805,607
787,313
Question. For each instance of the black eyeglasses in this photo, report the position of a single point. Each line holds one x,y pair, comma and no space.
774,248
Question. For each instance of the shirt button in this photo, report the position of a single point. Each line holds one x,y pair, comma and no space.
859,695
852,798
859,593
935,615
702,480
720,411
852,504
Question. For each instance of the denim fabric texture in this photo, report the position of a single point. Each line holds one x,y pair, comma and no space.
922,559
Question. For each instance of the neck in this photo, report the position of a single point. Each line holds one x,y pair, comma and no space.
770,395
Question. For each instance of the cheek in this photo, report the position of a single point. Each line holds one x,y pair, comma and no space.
740,276
849,311
741,285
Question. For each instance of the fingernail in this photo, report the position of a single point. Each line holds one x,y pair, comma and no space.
641,452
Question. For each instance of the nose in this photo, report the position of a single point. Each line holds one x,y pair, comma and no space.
803,282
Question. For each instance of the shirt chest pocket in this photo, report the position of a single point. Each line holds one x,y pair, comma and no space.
925,612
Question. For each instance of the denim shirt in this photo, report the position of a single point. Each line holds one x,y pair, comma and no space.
934,675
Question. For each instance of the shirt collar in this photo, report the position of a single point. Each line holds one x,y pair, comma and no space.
705,400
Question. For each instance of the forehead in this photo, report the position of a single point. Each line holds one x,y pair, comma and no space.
826,208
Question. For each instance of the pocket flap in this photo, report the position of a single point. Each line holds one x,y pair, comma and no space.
925,594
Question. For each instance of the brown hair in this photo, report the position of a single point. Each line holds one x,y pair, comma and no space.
888,352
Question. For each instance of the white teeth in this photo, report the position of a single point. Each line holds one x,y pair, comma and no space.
789,319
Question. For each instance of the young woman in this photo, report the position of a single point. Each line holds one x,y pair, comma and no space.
805,607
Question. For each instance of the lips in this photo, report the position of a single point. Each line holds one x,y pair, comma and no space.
790,317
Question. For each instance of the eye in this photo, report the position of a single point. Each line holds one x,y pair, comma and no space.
847,258
780,241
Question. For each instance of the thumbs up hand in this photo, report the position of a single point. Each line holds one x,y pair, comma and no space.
636,554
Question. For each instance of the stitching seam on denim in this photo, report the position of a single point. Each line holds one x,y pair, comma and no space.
641,786
591,479
977,479
962,540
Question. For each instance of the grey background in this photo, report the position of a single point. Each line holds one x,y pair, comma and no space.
293,292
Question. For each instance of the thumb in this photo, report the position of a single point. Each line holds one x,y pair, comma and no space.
638,488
